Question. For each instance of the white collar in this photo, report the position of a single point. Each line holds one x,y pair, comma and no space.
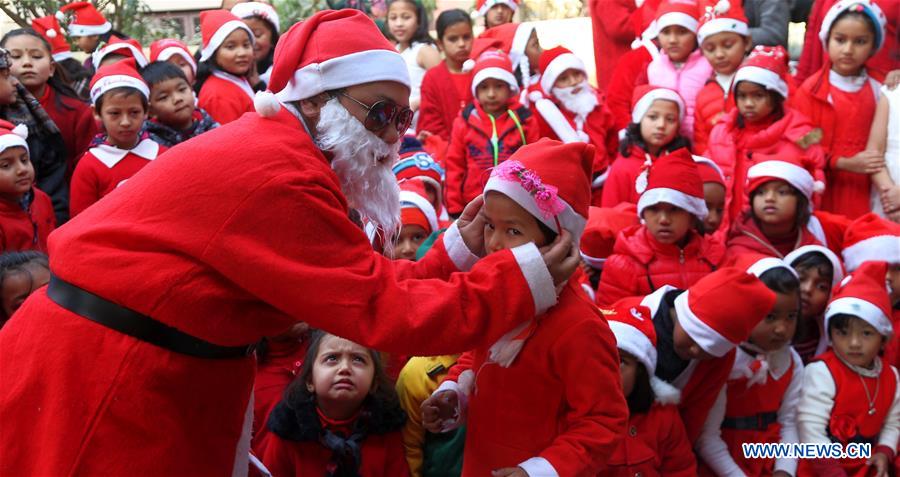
111,155
239,81
849,84
724,82
774,363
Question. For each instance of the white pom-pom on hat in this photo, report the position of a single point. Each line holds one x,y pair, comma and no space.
51,33
818,187
665,392
21,130
468,65
266,104
60,15
722,6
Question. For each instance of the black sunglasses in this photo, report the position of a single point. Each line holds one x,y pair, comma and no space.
382,113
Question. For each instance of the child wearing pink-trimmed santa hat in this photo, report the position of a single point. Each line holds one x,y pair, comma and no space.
759,400
655,442
850,394
226,58
569,109
26,213
495,12
666,248
820,272
566,355
656,116
120,99
176,52
118,49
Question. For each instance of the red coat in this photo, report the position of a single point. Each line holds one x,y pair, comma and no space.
470,154
745,237
640,265
225,98
630,71
613,31
655,444
75,121
624,171
441,103
380,456
26,229
191,242
712,103
272,377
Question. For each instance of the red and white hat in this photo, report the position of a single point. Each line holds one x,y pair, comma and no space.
869,238
864,294
866,7
645,95
603,226
683,13
836,265
551,180
327,51
215,26
722,16
12,135
257,9
127,47
493,64
162,50
757,264
766,66
86,20
513,40
786,168
49,28
419,165
554,62
673,179
709,171
707,313
633,328
482,6
414,206
121,74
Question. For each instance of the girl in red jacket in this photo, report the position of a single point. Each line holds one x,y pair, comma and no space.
820,272
666,249
655,443
656,115
339,417
225,61
26,213
840,98
487,131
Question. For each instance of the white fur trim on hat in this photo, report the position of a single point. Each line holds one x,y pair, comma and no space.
422,204
520,41
496,73
767,78
219,36
88,30
634,342
677,18
488,4
348,70
793,174
862,309
722,25
594,262
765,264
257,9
558,66
63,55
171,51
707,338
568,218
709,162
15,139
843,5
694,205
665,392
118,81
643,104
98,55
884,248
836,265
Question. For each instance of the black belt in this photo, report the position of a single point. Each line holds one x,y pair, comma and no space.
758,422
99,310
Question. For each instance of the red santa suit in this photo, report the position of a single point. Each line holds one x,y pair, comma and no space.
212,265
273,375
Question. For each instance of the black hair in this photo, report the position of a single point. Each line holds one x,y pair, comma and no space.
783,281
633,138
421,34
448,18
642,396
265,62
842,321
124,91
549,234
775,97
816,260
205,68
159,71
803,213
20,262
59,82
873,29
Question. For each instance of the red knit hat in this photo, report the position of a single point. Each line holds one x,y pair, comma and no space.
414,206
683,13
550,180
482,6
721,16
786,168
121,74
327,51
162,50
673,179
493,64
707,313
86,20
871,237
645,95
257,9
864,295
120,46
49,28
12,136
709,171
215,26
603,226
766,66
554,62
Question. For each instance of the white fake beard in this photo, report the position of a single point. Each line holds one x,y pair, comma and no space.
362,162
581,103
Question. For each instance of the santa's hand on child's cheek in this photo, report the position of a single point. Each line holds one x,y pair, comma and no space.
471,226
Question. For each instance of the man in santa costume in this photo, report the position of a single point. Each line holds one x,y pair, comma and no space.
135,360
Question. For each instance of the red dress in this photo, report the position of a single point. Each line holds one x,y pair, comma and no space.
655,444
225,97
26,228
441,100
273,376
75,121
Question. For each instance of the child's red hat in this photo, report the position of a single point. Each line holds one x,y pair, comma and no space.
871,237
864,295
722,16
603,226
766,66
122,74
121,46
162,50
49,28
12,135
86,20
215,26
673,179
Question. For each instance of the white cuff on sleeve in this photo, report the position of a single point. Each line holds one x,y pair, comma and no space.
538,277
459,254
461,403
538,467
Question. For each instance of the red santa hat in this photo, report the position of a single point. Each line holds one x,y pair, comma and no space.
866,7
709,171
86,20
602,228
257,9
551,180
215,26
722,16
554,62
329,50
836,265
513,40
415,208
12,135
673,179
645,95
482,6
786,168
493,64
766,66
162,50
757,264
864,294
683,13
122,74
869,238
706,311
120,46
49,28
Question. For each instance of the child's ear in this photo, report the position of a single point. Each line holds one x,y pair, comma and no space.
310,387
52,68
96,113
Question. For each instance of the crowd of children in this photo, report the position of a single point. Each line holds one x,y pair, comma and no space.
739,228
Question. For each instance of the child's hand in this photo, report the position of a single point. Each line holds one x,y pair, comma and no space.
562,258
892,79
423,136
864,162
509,472
890,199
471,226
880,462
437,409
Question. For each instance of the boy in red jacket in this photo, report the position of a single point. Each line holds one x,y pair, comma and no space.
26,214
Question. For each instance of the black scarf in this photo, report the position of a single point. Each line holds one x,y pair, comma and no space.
668,364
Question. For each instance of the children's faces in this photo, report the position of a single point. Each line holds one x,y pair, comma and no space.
8,84
262,31
859,344
677,42
17,286
725,51
32,64
185,66
87,43
508,224
408,241
342,376
457,42
569,78
402,21
172,103
16,173
775,203
777,329
493,95
498,15
850,44
667,223
754,102
660,124
122,116
815,290
714,195
628,368
893,279
235,55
